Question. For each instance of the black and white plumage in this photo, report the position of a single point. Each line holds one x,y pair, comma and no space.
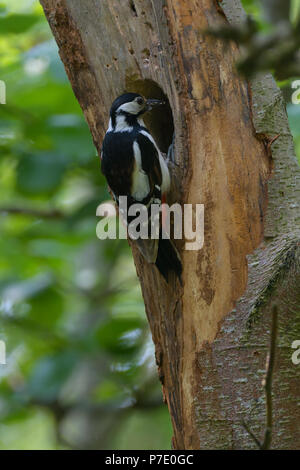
134,167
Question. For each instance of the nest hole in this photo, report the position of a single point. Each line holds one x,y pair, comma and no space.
159,121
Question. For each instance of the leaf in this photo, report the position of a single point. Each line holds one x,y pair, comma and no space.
17,23
46,308
120,335
50,374
108,391
23,290
40,173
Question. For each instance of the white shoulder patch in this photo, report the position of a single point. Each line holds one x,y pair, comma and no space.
121,125
140,181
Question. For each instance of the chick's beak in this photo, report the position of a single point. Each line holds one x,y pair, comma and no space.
151,103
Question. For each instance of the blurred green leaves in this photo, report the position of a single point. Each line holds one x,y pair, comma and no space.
40,173
295,11
269,41
120,335
17,23
71,312
49,376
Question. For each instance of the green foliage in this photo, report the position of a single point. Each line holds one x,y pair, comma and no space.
71,313
266,47
295,11
40,173
254,9
17,23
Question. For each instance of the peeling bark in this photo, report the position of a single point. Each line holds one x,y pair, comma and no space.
212,334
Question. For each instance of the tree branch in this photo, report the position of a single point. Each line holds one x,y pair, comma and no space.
265,445
44,214
268,381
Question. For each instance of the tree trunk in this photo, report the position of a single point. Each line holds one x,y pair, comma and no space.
212,334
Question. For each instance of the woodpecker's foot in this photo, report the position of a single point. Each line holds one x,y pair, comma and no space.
171,154
172,165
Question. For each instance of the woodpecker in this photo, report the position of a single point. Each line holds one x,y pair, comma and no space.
134,167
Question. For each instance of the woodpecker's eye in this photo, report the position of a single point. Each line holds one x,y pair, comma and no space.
140,100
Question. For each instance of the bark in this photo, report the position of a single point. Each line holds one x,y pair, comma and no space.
212,334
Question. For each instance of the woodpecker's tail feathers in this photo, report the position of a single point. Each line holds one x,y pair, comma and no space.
168,259
163,253
148,248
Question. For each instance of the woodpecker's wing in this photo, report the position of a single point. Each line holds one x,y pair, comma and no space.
117,162
149,163
150,159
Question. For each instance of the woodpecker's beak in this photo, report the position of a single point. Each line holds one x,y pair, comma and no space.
151,103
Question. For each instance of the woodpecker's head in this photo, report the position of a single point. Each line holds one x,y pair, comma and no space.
127,108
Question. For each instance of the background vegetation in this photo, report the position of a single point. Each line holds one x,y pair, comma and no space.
80,369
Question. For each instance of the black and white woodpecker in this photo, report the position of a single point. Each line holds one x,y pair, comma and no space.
134,167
